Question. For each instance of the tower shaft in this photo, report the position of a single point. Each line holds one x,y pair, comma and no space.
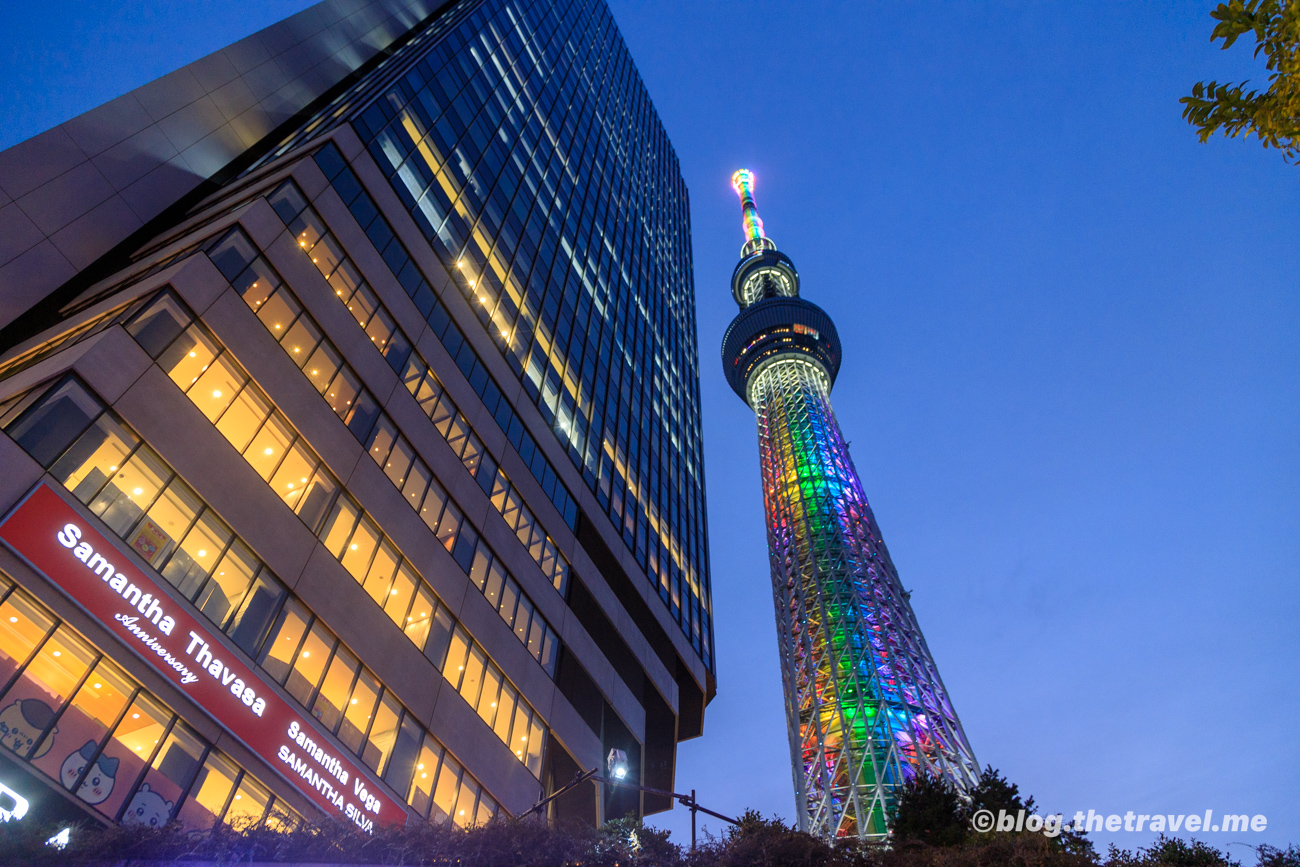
865,707
866,710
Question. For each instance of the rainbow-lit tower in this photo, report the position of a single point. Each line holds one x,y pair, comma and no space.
865,707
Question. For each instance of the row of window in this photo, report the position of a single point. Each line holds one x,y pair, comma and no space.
663,559
466,134
80,720
349,533
244,414
120,479
305,657
408,275
375,319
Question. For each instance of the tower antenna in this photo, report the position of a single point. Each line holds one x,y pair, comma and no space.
755,238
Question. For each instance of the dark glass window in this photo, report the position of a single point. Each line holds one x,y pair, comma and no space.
50,426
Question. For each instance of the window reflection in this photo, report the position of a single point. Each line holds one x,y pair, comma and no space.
309,663
426,771
218,386
229,581
269,446
94,458
383,734
282,648
334,690
187,359
130,491
211,791
170,774
359,711
249,804
167,520
198,554
244,418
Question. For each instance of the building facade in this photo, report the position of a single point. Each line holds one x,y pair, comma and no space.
866,710
352,454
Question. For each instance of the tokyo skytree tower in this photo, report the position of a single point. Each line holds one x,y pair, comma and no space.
865,708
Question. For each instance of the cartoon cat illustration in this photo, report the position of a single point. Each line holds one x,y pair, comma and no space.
147,808
22,722
99,781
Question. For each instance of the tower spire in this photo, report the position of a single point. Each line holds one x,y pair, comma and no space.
755,238
865,708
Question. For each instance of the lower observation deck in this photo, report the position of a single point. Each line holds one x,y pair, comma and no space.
775,327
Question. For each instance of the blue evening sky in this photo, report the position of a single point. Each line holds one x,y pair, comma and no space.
1071,371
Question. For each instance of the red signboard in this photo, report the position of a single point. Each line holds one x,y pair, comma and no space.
94,571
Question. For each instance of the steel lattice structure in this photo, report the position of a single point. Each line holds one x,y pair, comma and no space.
865,707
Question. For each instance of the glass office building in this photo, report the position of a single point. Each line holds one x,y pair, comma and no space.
350,397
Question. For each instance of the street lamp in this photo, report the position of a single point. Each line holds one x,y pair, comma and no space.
616,768
616,765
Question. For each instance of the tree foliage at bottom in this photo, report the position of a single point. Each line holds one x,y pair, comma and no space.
755,842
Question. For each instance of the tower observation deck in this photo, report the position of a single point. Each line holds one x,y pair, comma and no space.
866,710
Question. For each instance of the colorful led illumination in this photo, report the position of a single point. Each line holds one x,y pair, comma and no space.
743,183
865,707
